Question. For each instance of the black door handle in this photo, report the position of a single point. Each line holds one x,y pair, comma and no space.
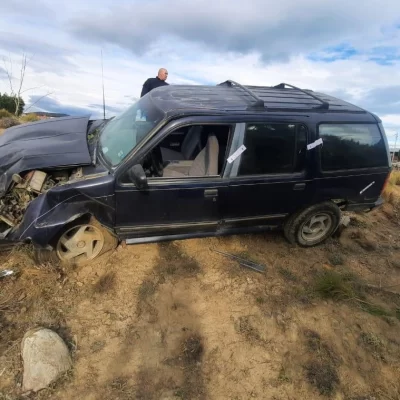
211,193
299,186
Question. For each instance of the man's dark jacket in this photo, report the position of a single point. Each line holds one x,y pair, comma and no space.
151,84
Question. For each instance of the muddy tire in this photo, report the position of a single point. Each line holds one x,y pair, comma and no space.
313,225
78,244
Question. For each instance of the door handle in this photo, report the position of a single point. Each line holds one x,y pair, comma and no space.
211,193
299,186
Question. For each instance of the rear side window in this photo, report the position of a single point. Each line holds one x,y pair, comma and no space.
273,149
351,146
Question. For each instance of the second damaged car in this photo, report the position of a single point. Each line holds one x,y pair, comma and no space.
191,161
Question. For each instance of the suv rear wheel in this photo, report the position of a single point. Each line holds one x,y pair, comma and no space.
313,225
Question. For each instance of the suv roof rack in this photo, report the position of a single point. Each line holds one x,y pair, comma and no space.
324,104
259,102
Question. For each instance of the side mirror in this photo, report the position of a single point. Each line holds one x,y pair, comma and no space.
137,176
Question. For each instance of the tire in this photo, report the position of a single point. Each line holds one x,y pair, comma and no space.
313,225
101,240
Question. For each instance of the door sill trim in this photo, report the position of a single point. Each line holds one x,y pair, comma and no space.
149,228
256,218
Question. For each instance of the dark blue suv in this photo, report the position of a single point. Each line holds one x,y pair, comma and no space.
191,161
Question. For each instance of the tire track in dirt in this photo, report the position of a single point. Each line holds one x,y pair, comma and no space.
164,341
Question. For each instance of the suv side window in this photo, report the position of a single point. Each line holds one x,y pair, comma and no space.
351,146
275,148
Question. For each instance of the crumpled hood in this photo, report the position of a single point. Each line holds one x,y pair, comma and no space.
60,142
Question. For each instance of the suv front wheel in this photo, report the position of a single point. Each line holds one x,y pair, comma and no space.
79,243
313,225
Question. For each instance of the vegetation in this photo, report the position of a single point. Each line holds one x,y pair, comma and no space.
7,122
29,118
8,102
392,189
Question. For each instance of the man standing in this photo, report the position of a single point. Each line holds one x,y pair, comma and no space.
153,83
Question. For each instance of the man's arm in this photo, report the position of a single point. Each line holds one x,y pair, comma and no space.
145,88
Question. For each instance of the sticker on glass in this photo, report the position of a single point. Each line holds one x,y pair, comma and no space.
236,154
314,144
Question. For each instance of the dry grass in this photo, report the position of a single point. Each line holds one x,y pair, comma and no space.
392,190
395,178
29,118
106,283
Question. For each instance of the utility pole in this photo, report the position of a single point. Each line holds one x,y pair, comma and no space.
395,144
102,80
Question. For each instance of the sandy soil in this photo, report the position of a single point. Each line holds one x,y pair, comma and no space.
179,321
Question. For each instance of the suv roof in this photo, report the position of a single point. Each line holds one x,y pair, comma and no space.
233,97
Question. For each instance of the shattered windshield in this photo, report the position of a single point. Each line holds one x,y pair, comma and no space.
121,135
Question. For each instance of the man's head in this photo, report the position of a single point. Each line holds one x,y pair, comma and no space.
162,74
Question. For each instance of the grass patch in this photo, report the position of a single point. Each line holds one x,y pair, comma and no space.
260,300
392,190
347,287
376,310
323,376
336,259
192,349
105,283
283,376
336,286
175,263
29,118
147,289
287,275
394,178
246,328
319,348
371,340
5,114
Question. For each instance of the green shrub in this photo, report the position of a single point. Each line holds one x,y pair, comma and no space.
7,102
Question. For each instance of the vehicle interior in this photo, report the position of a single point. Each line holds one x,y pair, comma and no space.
195,150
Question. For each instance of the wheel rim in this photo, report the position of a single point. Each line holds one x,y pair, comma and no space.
317,227
80,243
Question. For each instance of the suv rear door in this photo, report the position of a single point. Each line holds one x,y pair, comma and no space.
271,179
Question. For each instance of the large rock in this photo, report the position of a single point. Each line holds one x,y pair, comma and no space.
45,357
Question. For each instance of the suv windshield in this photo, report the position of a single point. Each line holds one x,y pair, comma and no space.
121,135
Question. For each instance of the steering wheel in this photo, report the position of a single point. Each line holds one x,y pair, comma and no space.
156,161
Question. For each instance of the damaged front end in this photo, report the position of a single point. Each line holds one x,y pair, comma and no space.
49,177
24,189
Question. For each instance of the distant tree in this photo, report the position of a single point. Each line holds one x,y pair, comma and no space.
8,103
16,84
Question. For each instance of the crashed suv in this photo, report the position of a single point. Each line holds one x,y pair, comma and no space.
191,161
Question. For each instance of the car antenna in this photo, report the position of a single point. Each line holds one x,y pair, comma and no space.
102,81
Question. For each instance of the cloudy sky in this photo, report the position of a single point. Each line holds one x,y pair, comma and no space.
350,49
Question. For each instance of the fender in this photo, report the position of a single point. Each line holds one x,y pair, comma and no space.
50,212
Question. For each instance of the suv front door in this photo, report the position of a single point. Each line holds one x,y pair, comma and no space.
269,180
170,207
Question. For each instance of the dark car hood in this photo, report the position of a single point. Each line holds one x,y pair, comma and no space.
60,142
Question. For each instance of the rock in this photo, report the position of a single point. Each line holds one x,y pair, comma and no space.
45,357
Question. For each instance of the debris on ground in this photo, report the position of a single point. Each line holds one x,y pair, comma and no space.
6,272
245,263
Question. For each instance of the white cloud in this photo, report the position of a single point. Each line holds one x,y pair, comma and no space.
69,66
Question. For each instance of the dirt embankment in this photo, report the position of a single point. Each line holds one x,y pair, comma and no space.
179,321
